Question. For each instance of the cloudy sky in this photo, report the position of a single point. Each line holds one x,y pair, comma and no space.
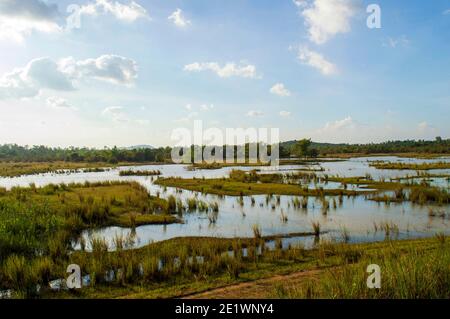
106,72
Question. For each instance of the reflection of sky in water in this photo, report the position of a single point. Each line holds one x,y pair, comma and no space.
357,215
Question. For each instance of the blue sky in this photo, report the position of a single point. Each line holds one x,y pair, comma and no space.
130,74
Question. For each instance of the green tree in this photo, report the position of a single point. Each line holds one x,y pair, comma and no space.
301,147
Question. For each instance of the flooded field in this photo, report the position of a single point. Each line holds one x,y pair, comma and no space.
354,219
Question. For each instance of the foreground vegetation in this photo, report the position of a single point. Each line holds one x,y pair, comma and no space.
38,225
409,272
410,269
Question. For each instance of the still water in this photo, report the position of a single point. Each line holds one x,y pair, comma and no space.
360,218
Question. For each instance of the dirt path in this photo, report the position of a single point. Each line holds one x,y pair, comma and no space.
261,288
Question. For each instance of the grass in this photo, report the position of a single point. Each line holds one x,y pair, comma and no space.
230,187
13,169
410,166
215,165
410,269
415,271
418,193
140,173
38,224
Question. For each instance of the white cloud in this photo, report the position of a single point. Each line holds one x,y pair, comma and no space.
300,3
125,12
425,127
228,70
202,107
119,115
206,107
396,42
19,19
280,90
44,73
338,125
341,130
254,113
316,60
326,18
178,19
57,102
111,68
285,113
349,130
115,113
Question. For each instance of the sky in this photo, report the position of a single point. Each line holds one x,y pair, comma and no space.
101,73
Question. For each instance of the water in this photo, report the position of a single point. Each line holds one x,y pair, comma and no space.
356,214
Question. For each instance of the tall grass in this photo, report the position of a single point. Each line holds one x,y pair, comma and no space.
411,273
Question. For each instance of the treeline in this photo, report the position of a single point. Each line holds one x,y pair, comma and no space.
437,146
16,153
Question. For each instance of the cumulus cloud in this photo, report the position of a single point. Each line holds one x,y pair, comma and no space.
111,68
125,12
255,113
19,18
285,113
57,102
317,61
226,71
178,19
327,18
280,90
44,73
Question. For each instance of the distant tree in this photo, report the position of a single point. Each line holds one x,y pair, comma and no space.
301,147
313,152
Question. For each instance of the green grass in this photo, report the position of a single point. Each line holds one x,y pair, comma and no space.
236,188
417,271
410,269
39,223
410,166
13,169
